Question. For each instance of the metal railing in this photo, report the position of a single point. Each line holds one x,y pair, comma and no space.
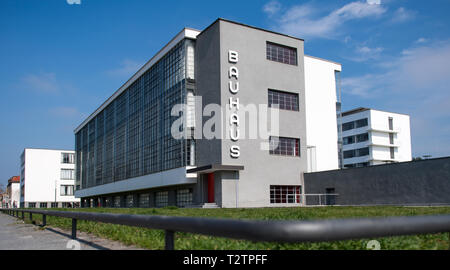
260,231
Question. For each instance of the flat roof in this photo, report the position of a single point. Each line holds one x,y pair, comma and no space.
249,26
49,149
362,109
357,110
322,59
214,168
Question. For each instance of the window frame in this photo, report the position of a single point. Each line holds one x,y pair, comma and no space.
292,98
283,143
282,51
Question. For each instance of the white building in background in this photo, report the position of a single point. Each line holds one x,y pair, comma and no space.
373,137
323,103
13,192
47,178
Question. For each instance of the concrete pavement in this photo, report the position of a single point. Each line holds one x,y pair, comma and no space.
16,235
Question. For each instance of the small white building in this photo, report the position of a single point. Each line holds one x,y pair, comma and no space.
373,137
47,178
322,101
13,192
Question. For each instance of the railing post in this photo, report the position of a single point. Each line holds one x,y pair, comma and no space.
31,217
74,228
23,215
170,240
44,220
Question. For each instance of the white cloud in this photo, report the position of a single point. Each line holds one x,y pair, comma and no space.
403,15
374,2
417,83
127,68
414,69
302,20
71,2
421,40
43,83
272,7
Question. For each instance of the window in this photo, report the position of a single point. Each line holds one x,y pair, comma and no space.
144,200
391,138
184,197
130,201
362,137
162,199
392,149
362,152
67,205
67,174
355,124
117,202
43,205
31,205
284,146
284,100
361,123
67,158
349,140
285,194
54,205
66,190
349,154
348,126
356,153
391,123
282,54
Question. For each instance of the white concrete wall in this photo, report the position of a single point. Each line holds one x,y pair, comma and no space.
402,136
379,142
43,175
321,122
15,194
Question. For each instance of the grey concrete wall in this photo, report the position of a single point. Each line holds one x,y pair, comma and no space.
256,76
207,70
424,182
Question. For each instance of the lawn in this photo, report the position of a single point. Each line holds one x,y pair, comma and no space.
154,239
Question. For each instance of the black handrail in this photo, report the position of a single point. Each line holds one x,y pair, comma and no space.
262,231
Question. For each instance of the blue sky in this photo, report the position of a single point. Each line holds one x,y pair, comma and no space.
60,61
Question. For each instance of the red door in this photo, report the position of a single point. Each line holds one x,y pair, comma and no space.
210,187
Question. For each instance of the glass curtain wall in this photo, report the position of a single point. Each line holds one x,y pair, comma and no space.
132,137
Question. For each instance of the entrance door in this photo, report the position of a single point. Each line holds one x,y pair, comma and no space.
330,199
210,187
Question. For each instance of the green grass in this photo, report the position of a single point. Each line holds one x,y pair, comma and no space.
154,239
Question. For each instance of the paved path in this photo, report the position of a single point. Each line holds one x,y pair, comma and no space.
16,235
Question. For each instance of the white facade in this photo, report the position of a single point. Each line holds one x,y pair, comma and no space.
388,137
47,177
321,118
14,195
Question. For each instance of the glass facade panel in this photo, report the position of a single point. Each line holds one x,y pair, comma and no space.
184,197
162,199
144,200
132,137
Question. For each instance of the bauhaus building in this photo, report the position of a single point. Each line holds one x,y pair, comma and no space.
231,116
